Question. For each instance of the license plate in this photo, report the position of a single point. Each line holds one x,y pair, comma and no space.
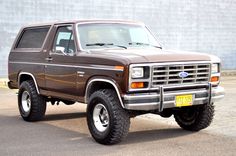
183,100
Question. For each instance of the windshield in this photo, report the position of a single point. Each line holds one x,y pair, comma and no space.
95,36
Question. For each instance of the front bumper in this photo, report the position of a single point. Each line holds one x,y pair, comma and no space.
166,99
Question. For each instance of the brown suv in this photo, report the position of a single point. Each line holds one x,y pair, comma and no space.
118,69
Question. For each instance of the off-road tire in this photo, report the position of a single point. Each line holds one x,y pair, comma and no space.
195,118
38,103
119,120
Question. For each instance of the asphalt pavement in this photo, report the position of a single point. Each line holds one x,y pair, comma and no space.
64,132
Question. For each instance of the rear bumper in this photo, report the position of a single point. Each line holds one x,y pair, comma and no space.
166,99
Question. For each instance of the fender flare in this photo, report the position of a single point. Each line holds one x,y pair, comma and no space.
112,82
31,75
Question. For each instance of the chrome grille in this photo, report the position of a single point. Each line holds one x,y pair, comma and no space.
169,74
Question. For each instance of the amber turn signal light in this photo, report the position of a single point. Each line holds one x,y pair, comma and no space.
135,85
119,67
214,78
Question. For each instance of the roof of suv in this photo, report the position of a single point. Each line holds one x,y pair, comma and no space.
85,21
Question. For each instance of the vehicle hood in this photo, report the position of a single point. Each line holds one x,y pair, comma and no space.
151,55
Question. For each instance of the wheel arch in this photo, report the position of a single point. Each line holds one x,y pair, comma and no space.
95,83
23,76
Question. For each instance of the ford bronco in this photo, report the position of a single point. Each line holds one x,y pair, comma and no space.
115,67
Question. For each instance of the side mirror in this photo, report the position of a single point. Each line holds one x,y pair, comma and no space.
60,49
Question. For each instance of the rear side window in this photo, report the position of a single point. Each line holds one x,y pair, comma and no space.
33,38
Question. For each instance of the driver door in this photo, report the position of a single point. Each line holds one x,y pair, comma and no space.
60,74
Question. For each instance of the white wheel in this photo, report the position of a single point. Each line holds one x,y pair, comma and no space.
26,102
100,117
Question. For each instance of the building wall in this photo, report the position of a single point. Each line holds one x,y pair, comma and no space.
189,25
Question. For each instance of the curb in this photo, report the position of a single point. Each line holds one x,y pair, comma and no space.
3,83
228,73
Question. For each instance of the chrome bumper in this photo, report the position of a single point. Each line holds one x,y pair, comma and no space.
166,99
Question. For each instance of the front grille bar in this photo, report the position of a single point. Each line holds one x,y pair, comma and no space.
161,98
169,74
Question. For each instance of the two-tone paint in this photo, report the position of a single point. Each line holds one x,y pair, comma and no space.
71,77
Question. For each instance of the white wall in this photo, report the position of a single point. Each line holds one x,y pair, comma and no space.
191,25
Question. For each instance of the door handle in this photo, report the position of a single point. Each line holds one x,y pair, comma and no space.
49,59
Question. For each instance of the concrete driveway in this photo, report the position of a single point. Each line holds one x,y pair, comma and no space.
64,132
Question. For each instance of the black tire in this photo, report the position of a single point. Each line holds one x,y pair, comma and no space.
195,118
35,103
118,119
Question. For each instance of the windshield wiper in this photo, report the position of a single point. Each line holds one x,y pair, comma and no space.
146,44
106,44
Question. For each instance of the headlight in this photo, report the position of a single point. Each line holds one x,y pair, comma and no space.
137,72
215,68
139,77
215,73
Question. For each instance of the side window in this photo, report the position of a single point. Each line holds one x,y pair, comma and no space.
64,41
33,38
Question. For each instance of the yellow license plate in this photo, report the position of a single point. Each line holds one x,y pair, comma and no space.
183,100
